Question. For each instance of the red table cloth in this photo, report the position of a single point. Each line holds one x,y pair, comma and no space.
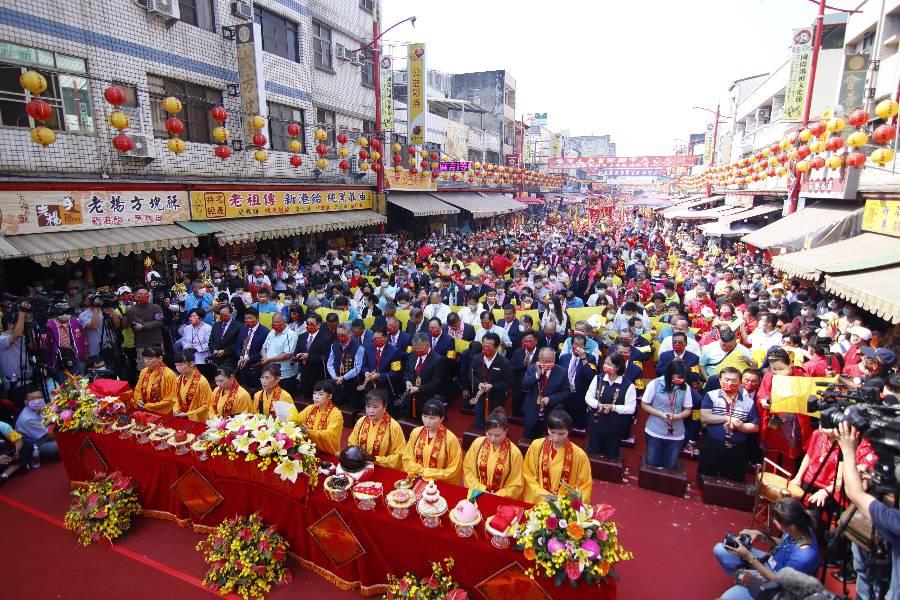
385,544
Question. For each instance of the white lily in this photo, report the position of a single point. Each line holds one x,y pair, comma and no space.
242,443
288,470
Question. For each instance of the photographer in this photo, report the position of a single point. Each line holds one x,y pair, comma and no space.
796,549
15,373
885,520
146,318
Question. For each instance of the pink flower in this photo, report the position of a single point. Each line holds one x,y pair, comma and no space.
66,415
602,512
552,523
100,513
73,403
554,546
573,569
54,408
245,534
259,570
433,582
457,594
577,504
263,545
217,542
93,500
404,586
591,547
601,535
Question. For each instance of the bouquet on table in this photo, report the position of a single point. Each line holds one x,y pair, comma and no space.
102,510
437,586
266,441
245,557
109,409
569,539
71,407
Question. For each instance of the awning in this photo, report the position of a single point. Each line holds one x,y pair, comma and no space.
815,225
62,246
877,291
421,204
690,204
7,250
719,229
710,213
756,211
266,228
473,202
529,200
860,253
503,201
200,227
654,202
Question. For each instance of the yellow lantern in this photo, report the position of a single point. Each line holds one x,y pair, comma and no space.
260,156
802,166
320,135
171,105
766,152
175,145
816,146
785,144
434,165
257,122
445,158
835,125
220,134
398,169
857,139
835,161
322,164
43,135
411,161
33,81
363,142
477,165
781,171
805,135
363,166
886,109
118,120
375,155
793,154
342,152
396,147
773,161
881,156
295,146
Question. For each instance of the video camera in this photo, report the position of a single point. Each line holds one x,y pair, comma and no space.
733,542
104,300
40,306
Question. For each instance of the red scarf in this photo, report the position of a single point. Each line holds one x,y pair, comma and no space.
546,450
228,407
323,418
496,480
379,433
185,403
435,448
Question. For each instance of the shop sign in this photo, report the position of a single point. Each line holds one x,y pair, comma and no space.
418,96
738,199
48,211
459,165
624,162
882,216
708,146
234,204
835,184
386,81
798,78
407,181
853,81
512,160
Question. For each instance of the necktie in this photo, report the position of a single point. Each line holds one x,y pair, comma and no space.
419,365
394,339
377,359
309,341
573,366
248,339
433,342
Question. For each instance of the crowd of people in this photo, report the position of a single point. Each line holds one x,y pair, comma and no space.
558,330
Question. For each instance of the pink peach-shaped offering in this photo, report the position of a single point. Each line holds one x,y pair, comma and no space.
466,512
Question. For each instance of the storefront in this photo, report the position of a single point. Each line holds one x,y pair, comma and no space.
419,213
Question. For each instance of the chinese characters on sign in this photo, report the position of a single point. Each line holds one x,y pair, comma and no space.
455,166
708,146
256,203
624,162
386,81
632,172
853,81
795,95
35,212
418,95
409,182
882,216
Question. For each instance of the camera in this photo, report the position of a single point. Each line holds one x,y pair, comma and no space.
104,300
733,542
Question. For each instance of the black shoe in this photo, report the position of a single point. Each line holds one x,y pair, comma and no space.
838,576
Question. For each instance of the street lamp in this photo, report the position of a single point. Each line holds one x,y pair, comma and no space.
715,128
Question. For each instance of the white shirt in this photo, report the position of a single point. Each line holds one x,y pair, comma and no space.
759,339
691,346
439,311
249,340
469,316
623,409
198,339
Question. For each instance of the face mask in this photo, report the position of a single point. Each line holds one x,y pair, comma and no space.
488,352
422,352
217,280
751,387
224,318
638,330
804,312
678,347
311,328
278,327
379,342
249,324
36,405
609,370
142,299
730,388
678,382
343,339
468,286
529,345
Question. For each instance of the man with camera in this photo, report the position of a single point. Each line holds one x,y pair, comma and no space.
14,366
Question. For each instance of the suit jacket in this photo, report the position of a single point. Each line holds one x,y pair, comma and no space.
226,342
366,338
468,332
254,351
444,344
404,340
584,374
555,341
314,368
431,376
499,376
514,331
690,359
557,389
391,380
517,366
412,329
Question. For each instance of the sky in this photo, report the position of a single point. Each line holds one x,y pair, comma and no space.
632,69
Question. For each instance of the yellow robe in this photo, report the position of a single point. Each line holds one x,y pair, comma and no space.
268,400
243,403
579,477
201,404
449,460
327,440
390,454
512,482
168,391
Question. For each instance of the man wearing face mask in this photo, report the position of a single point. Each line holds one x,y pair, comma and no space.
199,298
436,309
423,373
859,339
730,416
32,428
146,319
248,349
522,357
344,365
580,366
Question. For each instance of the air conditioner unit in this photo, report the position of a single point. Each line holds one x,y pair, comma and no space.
142,148
355,58
167,9
242,10
341,53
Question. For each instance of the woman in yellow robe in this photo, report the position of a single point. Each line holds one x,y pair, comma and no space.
195,397
321,420
555,459
271,391
378,433
493,464
157,385
433,451
229,398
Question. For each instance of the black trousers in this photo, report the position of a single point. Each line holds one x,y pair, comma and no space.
718,460
606,433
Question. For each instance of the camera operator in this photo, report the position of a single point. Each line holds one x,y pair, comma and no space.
876,364
15,372
885,520
146,318
796,549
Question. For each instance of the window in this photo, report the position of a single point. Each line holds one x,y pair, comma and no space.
322,47
196,100
198,13
326,120
279,35
280,116
367,5
369,127
68,93
368,68
867,42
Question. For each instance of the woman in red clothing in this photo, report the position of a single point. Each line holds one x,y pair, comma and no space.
783,436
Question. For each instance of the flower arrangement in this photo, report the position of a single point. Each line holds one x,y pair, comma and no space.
109,409
102,511
437,586
245,557
71,407
569,539
266,441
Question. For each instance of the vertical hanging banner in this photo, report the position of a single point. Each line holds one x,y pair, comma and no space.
708,146
853,81
386,79
417,110
798,78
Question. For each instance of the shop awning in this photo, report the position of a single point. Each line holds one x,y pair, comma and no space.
719,229
529,200
200,227
860,253
473,202
710,213
812,226
689,204
504,202
421,204
877,291
7,250
654,202
62,246
756,211
267,228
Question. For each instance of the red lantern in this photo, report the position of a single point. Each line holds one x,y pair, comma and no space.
411,150
321,149
342,138
293,129
114,95
435,174
424,164
882,134
834,143
453,177
375,143
856,159
771,172
817,163
775,149
344,165
363,154
783,158
39,110
817,128
803,151
295,161
858,118
792,139
397,159
174,125
218,113
376,167
259,139
122,143
414,171
223,151
434,156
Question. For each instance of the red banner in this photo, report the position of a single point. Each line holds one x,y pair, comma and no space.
624,162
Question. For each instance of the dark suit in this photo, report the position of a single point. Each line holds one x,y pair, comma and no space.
391,379
313,370
403,343
225,339
690,359
499,376
443,344
412,328
556,389
518,363
554,342
584,374
514,332
430,378
249,374
468,332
